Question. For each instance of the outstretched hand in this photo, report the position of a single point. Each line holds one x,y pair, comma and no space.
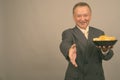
73,55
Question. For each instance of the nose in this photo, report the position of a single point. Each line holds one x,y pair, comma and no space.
82,18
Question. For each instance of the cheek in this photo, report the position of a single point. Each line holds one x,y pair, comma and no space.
77,19
88,18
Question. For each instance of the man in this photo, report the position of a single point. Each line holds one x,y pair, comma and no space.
85,59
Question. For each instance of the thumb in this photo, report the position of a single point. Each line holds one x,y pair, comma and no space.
73,46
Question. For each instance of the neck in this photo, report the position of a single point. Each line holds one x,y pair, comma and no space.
82,27
86,29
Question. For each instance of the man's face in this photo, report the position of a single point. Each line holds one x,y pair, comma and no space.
82,16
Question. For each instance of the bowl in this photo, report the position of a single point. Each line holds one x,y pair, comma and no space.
105,43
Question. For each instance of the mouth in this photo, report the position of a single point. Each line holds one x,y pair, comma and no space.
83,23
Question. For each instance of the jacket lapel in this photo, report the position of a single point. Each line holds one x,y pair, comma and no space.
80,36
90,34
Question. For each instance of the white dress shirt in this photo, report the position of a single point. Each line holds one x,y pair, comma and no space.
85,31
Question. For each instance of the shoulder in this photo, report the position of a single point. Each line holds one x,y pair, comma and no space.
96,30
68,31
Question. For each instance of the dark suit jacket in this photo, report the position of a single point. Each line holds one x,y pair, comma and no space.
89,58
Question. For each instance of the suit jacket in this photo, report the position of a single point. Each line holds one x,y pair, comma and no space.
89,58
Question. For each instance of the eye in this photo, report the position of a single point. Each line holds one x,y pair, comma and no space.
78,15
85,15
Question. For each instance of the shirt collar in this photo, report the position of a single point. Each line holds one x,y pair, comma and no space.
84,30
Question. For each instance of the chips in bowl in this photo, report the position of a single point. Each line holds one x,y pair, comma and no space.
104,40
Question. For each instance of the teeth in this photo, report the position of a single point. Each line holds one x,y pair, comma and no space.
83,23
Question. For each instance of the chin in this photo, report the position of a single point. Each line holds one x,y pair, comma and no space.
83,27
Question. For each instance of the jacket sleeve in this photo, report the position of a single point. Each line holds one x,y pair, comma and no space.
67,41
107,56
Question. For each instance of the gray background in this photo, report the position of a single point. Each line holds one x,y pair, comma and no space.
30,34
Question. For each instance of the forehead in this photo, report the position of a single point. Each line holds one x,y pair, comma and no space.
82,9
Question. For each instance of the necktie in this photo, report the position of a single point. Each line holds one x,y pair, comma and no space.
86,34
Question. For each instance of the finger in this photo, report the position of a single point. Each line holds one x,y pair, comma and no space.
99,46
104,47
74,63
110,47
73,60
73,46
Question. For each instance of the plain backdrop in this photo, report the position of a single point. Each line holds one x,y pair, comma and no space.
30,34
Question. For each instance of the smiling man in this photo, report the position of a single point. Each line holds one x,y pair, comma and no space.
84,58
82,15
